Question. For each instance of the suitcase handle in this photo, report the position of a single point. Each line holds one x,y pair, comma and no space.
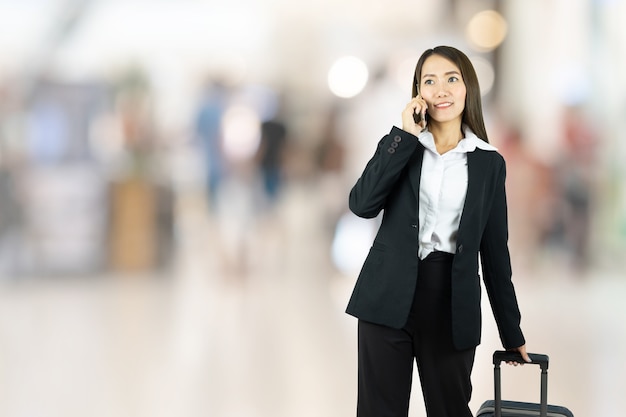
537,359
506,356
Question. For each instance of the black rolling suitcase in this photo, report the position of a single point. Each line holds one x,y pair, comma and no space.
499,408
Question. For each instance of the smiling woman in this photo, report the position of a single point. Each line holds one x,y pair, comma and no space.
441,187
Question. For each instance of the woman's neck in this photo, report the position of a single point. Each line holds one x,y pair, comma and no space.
446,135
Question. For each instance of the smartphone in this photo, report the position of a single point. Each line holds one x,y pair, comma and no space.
417,117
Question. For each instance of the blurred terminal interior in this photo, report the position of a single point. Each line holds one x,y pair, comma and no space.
213,142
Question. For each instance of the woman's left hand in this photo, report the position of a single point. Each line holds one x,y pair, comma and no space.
522,351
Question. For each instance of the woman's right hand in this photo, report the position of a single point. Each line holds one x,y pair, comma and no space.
416,107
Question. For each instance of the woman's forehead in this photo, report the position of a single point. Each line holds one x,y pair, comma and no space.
438,65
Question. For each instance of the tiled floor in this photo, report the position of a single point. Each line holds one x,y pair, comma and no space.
271,342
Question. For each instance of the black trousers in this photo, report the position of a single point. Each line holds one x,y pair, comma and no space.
386,355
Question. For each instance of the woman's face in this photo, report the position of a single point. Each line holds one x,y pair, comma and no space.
443,89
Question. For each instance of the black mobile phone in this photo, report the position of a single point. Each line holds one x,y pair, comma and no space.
417,117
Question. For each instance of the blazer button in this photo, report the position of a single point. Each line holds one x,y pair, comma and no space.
397,138
394,144
459,249
391,150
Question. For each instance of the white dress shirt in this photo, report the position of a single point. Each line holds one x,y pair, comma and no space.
443,187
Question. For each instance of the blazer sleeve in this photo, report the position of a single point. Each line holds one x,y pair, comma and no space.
496,265
368,196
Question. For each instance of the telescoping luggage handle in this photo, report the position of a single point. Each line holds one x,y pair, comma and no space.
500,356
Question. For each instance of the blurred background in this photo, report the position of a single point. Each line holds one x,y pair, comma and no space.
174,231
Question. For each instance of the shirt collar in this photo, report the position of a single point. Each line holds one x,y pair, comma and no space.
468,144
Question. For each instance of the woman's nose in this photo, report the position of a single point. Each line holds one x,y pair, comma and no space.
442,91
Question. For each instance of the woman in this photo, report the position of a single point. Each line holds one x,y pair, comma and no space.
440,185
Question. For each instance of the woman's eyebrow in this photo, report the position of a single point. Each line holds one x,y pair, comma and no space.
447,73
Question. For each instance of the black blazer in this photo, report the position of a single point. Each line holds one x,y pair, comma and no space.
384,290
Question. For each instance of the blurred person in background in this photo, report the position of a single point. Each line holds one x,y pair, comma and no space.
441,186
9,202
270,157
330,163
574,177
9,216
530,197
208,130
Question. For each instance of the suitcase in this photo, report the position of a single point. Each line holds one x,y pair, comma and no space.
499,408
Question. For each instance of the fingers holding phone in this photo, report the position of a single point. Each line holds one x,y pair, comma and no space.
414,116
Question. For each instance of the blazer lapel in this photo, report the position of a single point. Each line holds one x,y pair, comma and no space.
476,171
415,170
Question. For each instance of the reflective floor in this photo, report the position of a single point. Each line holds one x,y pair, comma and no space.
266,335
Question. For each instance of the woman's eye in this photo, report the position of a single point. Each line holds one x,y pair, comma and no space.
429,82
453,79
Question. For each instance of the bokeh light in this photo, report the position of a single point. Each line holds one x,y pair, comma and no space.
347,77
486,30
